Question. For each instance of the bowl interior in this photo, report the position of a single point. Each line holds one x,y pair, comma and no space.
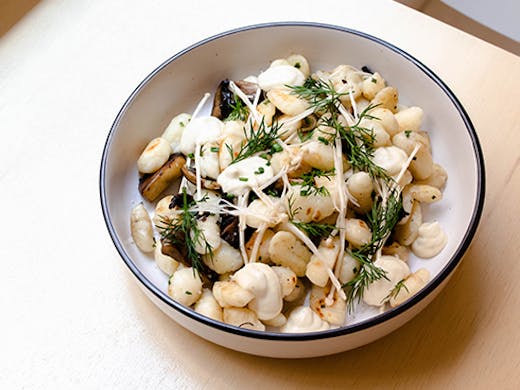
178,84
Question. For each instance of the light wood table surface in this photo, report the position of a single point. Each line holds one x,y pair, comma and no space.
71,314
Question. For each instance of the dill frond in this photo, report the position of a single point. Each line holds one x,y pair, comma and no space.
185,232
239,110
309,187
314,230
261,140
382,220
395,291
358,144
321,95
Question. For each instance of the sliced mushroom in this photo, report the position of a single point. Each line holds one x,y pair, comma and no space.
179,253
248,88
229,230
225,99
206,183
151,186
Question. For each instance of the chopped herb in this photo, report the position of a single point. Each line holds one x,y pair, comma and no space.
373,80
407,133
259,171
276,148
323,140
271,192
243,179
191,155
187,292
214,149
297,65
229,196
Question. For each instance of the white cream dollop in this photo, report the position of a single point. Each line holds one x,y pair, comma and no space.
390,158
302,320
378,291
200,130
263,283
280,76
430,241
239,177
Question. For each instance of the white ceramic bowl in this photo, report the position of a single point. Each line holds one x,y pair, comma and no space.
177,85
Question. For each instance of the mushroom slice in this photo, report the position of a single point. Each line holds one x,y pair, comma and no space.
229,230
151,186
225,99
192,178
248,88
179,253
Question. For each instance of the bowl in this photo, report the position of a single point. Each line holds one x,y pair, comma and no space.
177,85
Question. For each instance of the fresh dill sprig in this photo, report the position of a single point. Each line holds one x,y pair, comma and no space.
239,110
314,230
367,274
395,291
261,140
185,232
320,95
291,210
382,220
358,142
308,185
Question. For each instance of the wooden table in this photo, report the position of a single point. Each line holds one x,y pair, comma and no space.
72,315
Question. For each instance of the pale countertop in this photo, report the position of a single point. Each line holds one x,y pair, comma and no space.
72,314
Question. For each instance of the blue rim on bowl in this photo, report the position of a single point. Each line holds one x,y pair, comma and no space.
434,283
